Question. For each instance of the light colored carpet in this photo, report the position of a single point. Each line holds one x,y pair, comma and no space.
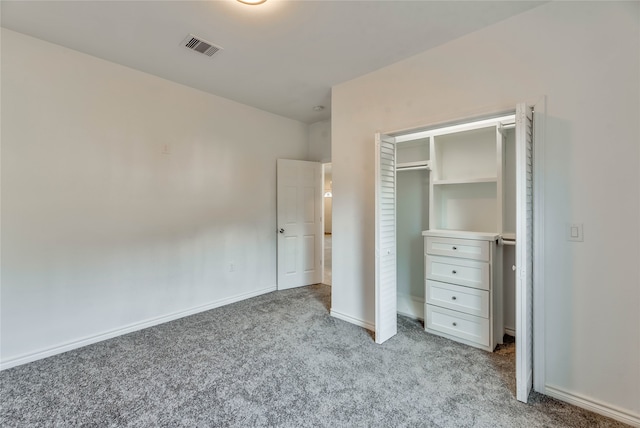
276,360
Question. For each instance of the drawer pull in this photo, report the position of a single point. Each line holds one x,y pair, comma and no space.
453,297
454,248
454,272
455,324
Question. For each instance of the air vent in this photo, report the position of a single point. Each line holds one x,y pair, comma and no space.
199,45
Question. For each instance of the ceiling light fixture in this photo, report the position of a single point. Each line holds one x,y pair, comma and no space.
252,2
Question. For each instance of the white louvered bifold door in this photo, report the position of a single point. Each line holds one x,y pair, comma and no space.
524,251
385,282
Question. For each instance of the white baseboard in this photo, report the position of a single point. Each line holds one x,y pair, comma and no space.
352,320
68,346
510,331
593,405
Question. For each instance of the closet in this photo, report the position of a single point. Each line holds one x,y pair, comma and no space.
455,210
480,195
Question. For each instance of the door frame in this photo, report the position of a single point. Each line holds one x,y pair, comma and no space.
539,115
539,136
324,218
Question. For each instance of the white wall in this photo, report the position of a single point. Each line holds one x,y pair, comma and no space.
586,58
320,141
100,229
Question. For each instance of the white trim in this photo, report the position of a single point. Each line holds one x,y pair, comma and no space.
352,320
322,220
79,343
595,406
487,111
539,370
485,123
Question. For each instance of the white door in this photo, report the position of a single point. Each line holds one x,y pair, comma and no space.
524,251
299,212
386,321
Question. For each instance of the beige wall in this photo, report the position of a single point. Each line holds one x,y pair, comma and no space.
585,57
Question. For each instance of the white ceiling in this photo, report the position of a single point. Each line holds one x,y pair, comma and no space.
281,56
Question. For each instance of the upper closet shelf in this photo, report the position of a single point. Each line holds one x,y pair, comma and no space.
466,180
411,166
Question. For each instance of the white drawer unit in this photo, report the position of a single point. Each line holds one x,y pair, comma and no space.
463,287
462,299
462,248
458,271
459,324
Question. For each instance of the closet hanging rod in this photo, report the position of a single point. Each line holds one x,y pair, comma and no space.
505,241
413,168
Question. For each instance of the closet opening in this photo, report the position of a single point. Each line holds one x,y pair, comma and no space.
454,241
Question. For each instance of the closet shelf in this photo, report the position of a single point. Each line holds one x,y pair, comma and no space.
466,180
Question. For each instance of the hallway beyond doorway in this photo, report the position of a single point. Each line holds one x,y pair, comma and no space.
327,259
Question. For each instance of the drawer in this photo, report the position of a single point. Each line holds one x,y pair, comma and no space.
463,248
463,299
469,273
464,326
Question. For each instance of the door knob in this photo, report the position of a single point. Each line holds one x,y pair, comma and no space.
281,230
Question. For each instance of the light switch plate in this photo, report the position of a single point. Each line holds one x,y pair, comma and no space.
574,232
